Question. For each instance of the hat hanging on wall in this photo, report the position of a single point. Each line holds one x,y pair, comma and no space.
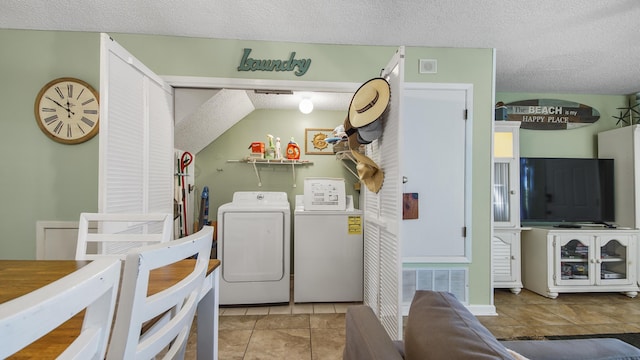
369,102
368,171
363,125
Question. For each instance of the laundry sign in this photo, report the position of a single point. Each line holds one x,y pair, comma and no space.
298,66
551,114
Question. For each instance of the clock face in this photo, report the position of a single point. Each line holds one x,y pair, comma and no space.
68,110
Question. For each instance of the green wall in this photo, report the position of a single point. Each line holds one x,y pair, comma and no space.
45,180
213,167
41,179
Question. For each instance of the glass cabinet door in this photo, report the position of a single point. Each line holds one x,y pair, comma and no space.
612,260
506,174
574,266
501,193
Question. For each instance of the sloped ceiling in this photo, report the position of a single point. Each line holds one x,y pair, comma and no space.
204,114
209,120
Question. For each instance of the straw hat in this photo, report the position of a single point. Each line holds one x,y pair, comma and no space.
368,171
369,102
362,126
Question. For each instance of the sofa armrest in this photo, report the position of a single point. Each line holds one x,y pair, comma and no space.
575,349
366,338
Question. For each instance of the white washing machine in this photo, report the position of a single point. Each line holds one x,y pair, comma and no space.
254,248
328,254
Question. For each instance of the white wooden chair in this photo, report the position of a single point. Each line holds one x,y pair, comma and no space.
117,233
93,288
171,311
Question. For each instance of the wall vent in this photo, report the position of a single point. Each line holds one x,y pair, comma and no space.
454,281
428,66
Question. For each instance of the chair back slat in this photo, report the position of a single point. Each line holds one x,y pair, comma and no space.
119,233
170,311
92,288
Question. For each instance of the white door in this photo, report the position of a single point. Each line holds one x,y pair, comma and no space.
434,166
136,135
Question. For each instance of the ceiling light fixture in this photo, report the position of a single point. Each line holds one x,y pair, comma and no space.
306,106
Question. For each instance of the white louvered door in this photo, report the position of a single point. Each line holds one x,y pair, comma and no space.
136,135
381,213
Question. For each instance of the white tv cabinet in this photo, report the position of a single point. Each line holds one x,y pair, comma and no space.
589,259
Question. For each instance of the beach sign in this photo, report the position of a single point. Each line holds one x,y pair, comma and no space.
551,114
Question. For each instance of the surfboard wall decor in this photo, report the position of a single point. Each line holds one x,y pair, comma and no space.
551,114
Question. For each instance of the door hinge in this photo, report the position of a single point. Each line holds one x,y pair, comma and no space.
466,114
464,231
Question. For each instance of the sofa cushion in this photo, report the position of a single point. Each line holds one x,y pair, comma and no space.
440,327
575,349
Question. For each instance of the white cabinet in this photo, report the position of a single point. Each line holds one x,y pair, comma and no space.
505,245
506,176
623,145
505,248
580,260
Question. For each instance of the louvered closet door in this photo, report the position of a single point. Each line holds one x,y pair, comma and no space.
136,135
382,211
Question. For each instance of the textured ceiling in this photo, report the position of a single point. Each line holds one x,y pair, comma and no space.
569,46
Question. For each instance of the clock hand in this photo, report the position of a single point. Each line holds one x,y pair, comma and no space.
57,103
69,112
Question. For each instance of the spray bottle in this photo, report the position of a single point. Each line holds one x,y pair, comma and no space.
293,150
271,150
278,150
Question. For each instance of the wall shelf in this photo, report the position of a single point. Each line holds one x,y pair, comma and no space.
346,157
277,162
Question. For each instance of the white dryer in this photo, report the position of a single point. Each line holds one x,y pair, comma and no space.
254,248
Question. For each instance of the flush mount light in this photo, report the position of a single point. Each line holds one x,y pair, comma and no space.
306,106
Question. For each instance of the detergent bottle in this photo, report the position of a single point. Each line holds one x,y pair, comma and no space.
293,150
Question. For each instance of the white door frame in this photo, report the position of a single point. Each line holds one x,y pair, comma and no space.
250,84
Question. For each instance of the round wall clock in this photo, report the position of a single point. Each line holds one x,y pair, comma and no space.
67,110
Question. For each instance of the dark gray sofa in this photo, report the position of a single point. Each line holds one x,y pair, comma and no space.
440,327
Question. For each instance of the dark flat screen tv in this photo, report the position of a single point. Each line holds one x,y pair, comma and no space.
559,190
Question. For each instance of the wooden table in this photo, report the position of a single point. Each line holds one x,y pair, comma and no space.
19,277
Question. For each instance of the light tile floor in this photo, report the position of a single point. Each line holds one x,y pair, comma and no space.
294,331
317,331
